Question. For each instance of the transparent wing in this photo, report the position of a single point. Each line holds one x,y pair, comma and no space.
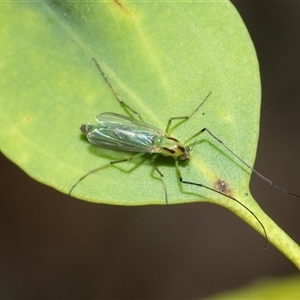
119,132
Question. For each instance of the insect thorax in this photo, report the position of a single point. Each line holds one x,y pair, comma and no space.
169,146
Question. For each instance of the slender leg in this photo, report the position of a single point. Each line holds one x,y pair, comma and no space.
115,93
188,116
104,166
161,176
225,195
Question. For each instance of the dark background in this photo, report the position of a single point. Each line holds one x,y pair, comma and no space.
54,246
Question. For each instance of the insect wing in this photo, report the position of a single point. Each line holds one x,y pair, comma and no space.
119,132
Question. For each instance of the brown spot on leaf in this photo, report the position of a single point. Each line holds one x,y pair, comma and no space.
222,187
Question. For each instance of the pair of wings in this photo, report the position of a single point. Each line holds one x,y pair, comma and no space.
119,132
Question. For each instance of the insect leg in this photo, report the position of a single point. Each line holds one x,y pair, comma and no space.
186,117
114,91
104,166
161,176
225,195
242,161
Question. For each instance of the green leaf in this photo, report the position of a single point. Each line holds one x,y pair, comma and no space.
52,86
162,58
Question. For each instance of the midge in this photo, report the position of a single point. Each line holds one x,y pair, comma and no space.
118,132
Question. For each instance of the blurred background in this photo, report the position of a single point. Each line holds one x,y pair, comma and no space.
54,246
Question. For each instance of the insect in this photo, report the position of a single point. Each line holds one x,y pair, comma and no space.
119,132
